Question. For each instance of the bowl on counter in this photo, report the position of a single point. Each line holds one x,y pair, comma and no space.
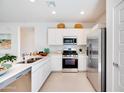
4,68
43,54
3,71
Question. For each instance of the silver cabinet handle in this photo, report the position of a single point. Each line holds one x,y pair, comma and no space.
115,64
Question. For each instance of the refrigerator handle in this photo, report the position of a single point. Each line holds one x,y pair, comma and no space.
87,51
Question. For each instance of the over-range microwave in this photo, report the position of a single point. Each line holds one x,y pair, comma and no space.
70,40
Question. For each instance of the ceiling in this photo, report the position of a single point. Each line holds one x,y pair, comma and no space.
66,10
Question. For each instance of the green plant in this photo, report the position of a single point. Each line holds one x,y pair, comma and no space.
46,50
7,57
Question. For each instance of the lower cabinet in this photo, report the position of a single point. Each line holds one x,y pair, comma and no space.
56,62
82,59
40,72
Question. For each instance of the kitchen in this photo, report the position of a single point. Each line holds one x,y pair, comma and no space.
52,49
66,46
47,65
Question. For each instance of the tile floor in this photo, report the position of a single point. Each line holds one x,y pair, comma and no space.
67,82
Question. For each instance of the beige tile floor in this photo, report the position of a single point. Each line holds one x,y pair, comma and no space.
67,82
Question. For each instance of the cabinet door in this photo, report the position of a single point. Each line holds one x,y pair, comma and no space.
55,37
82,36
51,37
56,62
35,81
82,62
59,36
70,32
38,78
40,75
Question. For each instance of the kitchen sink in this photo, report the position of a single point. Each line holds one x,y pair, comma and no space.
31,60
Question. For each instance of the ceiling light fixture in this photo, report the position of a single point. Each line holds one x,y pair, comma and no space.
51,4
32,1
53,12
82,12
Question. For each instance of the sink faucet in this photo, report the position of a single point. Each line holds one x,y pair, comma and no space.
23,56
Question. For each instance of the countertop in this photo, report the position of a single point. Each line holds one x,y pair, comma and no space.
13,74
55,53
16,69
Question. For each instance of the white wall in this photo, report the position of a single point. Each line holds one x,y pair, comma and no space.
102,19
13,30
40,35
27,39
100,22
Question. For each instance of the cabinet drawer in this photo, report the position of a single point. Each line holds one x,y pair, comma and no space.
37,66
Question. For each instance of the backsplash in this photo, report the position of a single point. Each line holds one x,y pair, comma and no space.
60,48
83,49
56,48
1,54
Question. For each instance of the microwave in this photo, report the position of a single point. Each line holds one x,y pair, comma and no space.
70,40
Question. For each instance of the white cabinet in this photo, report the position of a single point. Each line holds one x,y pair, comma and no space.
70,32
37,79
55,36
40,72
51,37
56,62
82,59
81,39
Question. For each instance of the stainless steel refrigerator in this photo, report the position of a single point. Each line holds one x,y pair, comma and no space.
96,61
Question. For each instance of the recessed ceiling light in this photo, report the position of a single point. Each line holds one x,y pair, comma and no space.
82,12
53,12
32,1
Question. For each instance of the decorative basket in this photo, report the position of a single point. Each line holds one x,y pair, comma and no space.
78,26
61,25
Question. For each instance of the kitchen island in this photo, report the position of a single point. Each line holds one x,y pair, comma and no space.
37,74
13,74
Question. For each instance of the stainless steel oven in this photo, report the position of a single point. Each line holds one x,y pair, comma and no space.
70,64
70,40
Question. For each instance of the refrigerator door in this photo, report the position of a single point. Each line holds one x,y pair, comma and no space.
92,66
96,60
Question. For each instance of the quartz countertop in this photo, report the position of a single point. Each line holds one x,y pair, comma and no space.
16,68
56,53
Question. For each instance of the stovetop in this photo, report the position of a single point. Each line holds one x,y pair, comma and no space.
66,52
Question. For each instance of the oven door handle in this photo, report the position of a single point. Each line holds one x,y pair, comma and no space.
69,58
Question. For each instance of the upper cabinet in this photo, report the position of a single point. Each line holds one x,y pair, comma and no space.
55,36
